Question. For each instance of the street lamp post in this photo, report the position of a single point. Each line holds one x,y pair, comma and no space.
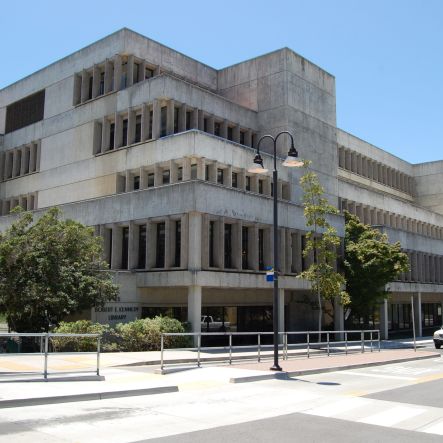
291,161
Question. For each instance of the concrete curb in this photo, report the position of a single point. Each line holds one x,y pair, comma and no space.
53,379
20,402
286,375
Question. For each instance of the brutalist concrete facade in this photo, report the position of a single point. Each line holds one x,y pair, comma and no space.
152,147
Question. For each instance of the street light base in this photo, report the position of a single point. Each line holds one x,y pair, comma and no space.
275,368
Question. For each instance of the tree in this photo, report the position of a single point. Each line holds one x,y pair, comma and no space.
322,242
370,263
49,269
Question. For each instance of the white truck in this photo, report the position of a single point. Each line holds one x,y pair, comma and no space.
209,325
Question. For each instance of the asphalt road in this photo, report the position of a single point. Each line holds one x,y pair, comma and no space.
295,428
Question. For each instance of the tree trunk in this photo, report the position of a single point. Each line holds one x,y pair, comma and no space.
320,314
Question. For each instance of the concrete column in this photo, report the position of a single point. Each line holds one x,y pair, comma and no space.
195,307
201,120
341,157
105,134
224,129
131,126
184,241
281,310
170,114
109,76
210,124
130,71
417,315
384,317
236,134
23,161
145,122
237,245
253,247
201,167
151,244
15,163
118,131
117,72
156,119
348,160
95,81
195,241
228,176
194,119
85,86
354,162
186,169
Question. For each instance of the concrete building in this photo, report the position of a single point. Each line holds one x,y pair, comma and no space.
151,148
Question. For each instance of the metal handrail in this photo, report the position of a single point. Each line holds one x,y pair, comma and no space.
44,346
284,345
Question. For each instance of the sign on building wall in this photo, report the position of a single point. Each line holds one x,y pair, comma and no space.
113,313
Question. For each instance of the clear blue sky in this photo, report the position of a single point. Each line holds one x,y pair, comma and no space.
386,55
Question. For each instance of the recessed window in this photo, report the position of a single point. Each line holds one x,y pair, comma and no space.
180,173
125,132
26,111
142,247
234,180
220,176
166,176
188,120
248,183
160,252
111,136
260,186
163,118
151,180
207,172
193,171
242,137
217,129
138,129
230,133
149,73
136,182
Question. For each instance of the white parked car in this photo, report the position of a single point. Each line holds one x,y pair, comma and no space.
438,338
209,324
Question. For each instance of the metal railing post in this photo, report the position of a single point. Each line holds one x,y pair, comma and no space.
41,345
230,348
362,338
258,347
98,355
307,339
370,336
327,339
346,342
199,338
378,335
161,351
45,371
286,345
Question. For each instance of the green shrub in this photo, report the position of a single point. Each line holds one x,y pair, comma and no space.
79,344
144,335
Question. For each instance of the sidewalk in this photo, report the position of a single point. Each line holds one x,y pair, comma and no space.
124,381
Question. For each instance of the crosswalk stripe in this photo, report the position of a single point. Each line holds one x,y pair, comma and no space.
338,407
394,377
436,428
392,416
